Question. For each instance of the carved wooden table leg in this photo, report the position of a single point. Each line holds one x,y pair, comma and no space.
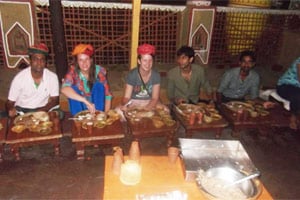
16,151
79,151
56,149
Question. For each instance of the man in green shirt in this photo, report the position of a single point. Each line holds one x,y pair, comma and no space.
186,80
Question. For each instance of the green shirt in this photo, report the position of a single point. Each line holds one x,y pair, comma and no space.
178,87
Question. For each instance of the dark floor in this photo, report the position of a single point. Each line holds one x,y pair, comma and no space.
41,175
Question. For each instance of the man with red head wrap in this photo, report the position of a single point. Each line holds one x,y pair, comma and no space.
35,88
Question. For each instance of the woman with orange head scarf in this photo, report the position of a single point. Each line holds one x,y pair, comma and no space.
85,83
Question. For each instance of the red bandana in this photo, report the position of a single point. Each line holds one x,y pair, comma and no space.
146,49
39,49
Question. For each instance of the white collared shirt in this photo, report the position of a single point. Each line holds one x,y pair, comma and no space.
24,92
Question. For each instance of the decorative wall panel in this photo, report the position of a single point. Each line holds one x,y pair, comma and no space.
201,28
17,31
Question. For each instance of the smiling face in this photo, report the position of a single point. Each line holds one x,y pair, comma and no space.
38,63
246,64
84,61
146,62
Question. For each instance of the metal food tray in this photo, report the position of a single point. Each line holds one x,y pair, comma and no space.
204,154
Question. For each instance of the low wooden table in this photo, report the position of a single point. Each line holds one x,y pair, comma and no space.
111,134
28,138
3,122
145,129
158,176
215,126
277,117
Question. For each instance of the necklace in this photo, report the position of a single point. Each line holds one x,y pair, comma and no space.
145,77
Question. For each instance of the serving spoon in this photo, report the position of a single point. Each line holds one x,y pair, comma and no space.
243,179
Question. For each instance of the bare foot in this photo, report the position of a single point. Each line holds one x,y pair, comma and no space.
293,122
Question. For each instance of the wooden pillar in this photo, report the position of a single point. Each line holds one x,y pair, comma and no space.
136,9
59,44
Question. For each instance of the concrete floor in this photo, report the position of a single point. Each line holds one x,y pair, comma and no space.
41,175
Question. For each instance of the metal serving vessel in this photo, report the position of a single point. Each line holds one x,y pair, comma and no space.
205,154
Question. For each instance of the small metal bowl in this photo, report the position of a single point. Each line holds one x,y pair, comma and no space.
213,182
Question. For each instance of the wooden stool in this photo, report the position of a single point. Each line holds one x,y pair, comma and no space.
110,134
28,138
146,129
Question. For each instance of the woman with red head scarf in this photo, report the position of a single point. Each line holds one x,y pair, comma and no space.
143,82
85,83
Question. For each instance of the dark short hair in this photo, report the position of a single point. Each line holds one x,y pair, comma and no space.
186,50
248,53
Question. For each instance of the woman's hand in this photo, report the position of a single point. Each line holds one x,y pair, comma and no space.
91,107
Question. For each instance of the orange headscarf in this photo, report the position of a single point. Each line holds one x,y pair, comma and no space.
83,49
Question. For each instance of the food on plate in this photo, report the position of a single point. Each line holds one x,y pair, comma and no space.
87,115
101,116
45,131
207,119
34,128
47,124
33,121
188,108
209,111
253,113
41,115
100,124
140,113
216,186
255,109
113,115
169,122
18,128
109,121
264,113
158,123
202,105
216,116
